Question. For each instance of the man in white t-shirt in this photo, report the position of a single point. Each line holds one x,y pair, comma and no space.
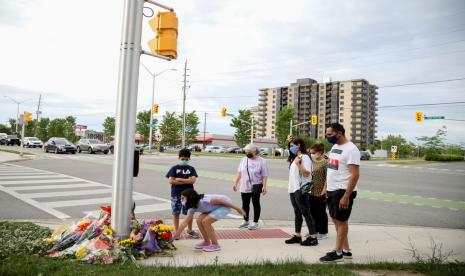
340,188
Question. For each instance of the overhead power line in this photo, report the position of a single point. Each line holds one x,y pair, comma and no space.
426,104
420,83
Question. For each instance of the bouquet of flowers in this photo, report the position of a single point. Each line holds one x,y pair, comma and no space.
91,240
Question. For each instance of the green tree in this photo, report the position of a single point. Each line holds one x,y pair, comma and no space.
30,128
404,149
283,120
69,130
5,129
192,126
109,127
56,128
42,129
170,129
372,148
142,124
434,144
12,123
309,141
454,149
242,134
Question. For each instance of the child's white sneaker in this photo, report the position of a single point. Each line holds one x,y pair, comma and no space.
253,226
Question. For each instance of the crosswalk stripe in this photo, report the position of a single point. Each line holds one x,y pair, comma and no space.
89,201
68,193
140,209
53,187
30,176
34,182
26,173
35,204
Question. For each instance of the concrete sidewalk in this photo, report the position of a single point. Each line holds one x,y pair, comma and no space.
369,243
11,157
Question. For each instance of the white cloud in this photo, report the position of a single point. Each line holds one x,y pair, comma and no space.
69,51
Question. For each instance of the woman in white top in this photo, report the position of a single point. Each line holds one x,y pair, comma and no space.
300,175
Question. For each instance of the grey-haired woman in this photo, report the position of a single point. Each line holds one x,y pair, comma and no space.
252,174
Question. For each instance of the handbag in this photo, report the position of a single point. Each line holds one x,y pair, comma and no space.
256,188
306,187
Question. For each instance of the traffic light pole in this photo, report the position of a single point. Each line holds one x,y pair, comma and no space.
249,123
122,178
21,147
183,142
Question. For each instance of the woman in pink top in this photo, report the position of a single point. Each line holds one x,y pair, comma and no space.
212,209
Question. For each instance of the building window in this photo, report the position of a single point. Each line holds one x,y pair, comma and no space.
342,102
273,112
272,132
322,86
342,114
322,98
274,96
322,104
272,117
342,108
341,120
342,97
342,90
342,85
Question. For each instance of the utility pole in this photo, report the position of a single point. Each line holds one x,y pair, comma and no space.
251,131
126,109
37,116
204,130
290,128
183,144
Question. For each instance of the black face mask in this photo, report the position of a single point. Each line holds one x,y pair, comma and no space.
249,155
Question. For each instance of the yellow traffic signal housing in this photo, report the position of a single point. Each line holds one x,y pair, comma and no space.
289,137
314,120
223,112
155,108
419,117
165,24
27,116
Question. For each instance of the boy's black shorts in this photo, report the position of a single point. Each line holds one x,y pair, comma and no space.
333,204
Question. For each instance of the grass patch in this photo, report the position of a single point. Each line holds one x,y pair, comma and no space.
20,249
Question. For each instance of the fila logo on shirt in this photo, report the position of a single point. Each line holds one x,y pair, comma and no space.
186,171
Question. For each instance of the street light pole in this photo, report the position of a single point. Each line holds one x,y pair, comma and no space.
126,109
183,143
290,128
17,110
153,101
204,130
251,131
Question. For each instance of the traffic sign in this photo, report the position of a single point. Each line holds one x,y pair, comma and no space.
434,117
153,125
393,148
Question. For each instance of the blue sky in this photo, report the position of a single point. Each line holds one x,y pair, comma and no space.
69,53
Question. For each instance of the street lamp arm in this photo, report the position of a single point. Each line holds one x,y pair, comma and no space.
235,117
302,123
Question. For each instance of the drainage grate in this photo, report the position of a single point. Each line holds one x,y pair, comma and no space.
247,234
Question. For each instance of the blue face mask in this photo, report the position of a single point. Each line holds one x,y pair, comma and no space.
332,139
184,163
294,150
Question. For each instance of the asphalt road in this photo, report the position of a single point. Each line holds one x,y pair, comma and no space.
67,186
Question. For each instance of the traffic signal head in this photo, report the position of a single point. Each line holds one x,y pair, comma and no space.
419,116
165,24
314,120
289,137
155,108
27,116
223,112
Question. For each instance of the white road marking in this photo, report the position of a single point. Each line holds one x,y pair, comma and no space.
34,182
235,216
30,176
26,173
54,187
69,193
140,209
88,201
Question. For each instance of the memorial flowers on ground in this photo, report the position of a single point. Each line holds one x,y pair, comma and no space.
92,240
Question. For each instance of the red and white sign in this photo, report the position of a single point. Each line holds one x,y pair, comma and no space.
80,127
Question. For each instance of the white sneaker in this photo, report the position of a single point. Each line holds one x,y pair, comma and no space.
244,224
321,236
253,226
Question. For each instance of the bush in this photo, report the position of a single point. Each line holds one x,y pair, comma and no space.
443,157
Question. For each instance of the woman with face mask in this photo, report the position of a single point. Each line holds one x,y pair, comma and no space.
318,202
251,177
299,177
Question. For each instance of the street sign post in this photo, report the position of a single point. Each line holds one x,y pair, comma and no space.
434,117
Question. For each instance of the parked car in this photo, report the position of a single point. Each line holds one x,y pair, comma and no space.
59,145
235,150
92,146
217,149
12,140
137,147
365,155
194,148
32,142
3,137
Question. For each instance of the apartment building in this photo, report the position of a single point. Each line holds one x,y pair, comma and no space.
353,103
